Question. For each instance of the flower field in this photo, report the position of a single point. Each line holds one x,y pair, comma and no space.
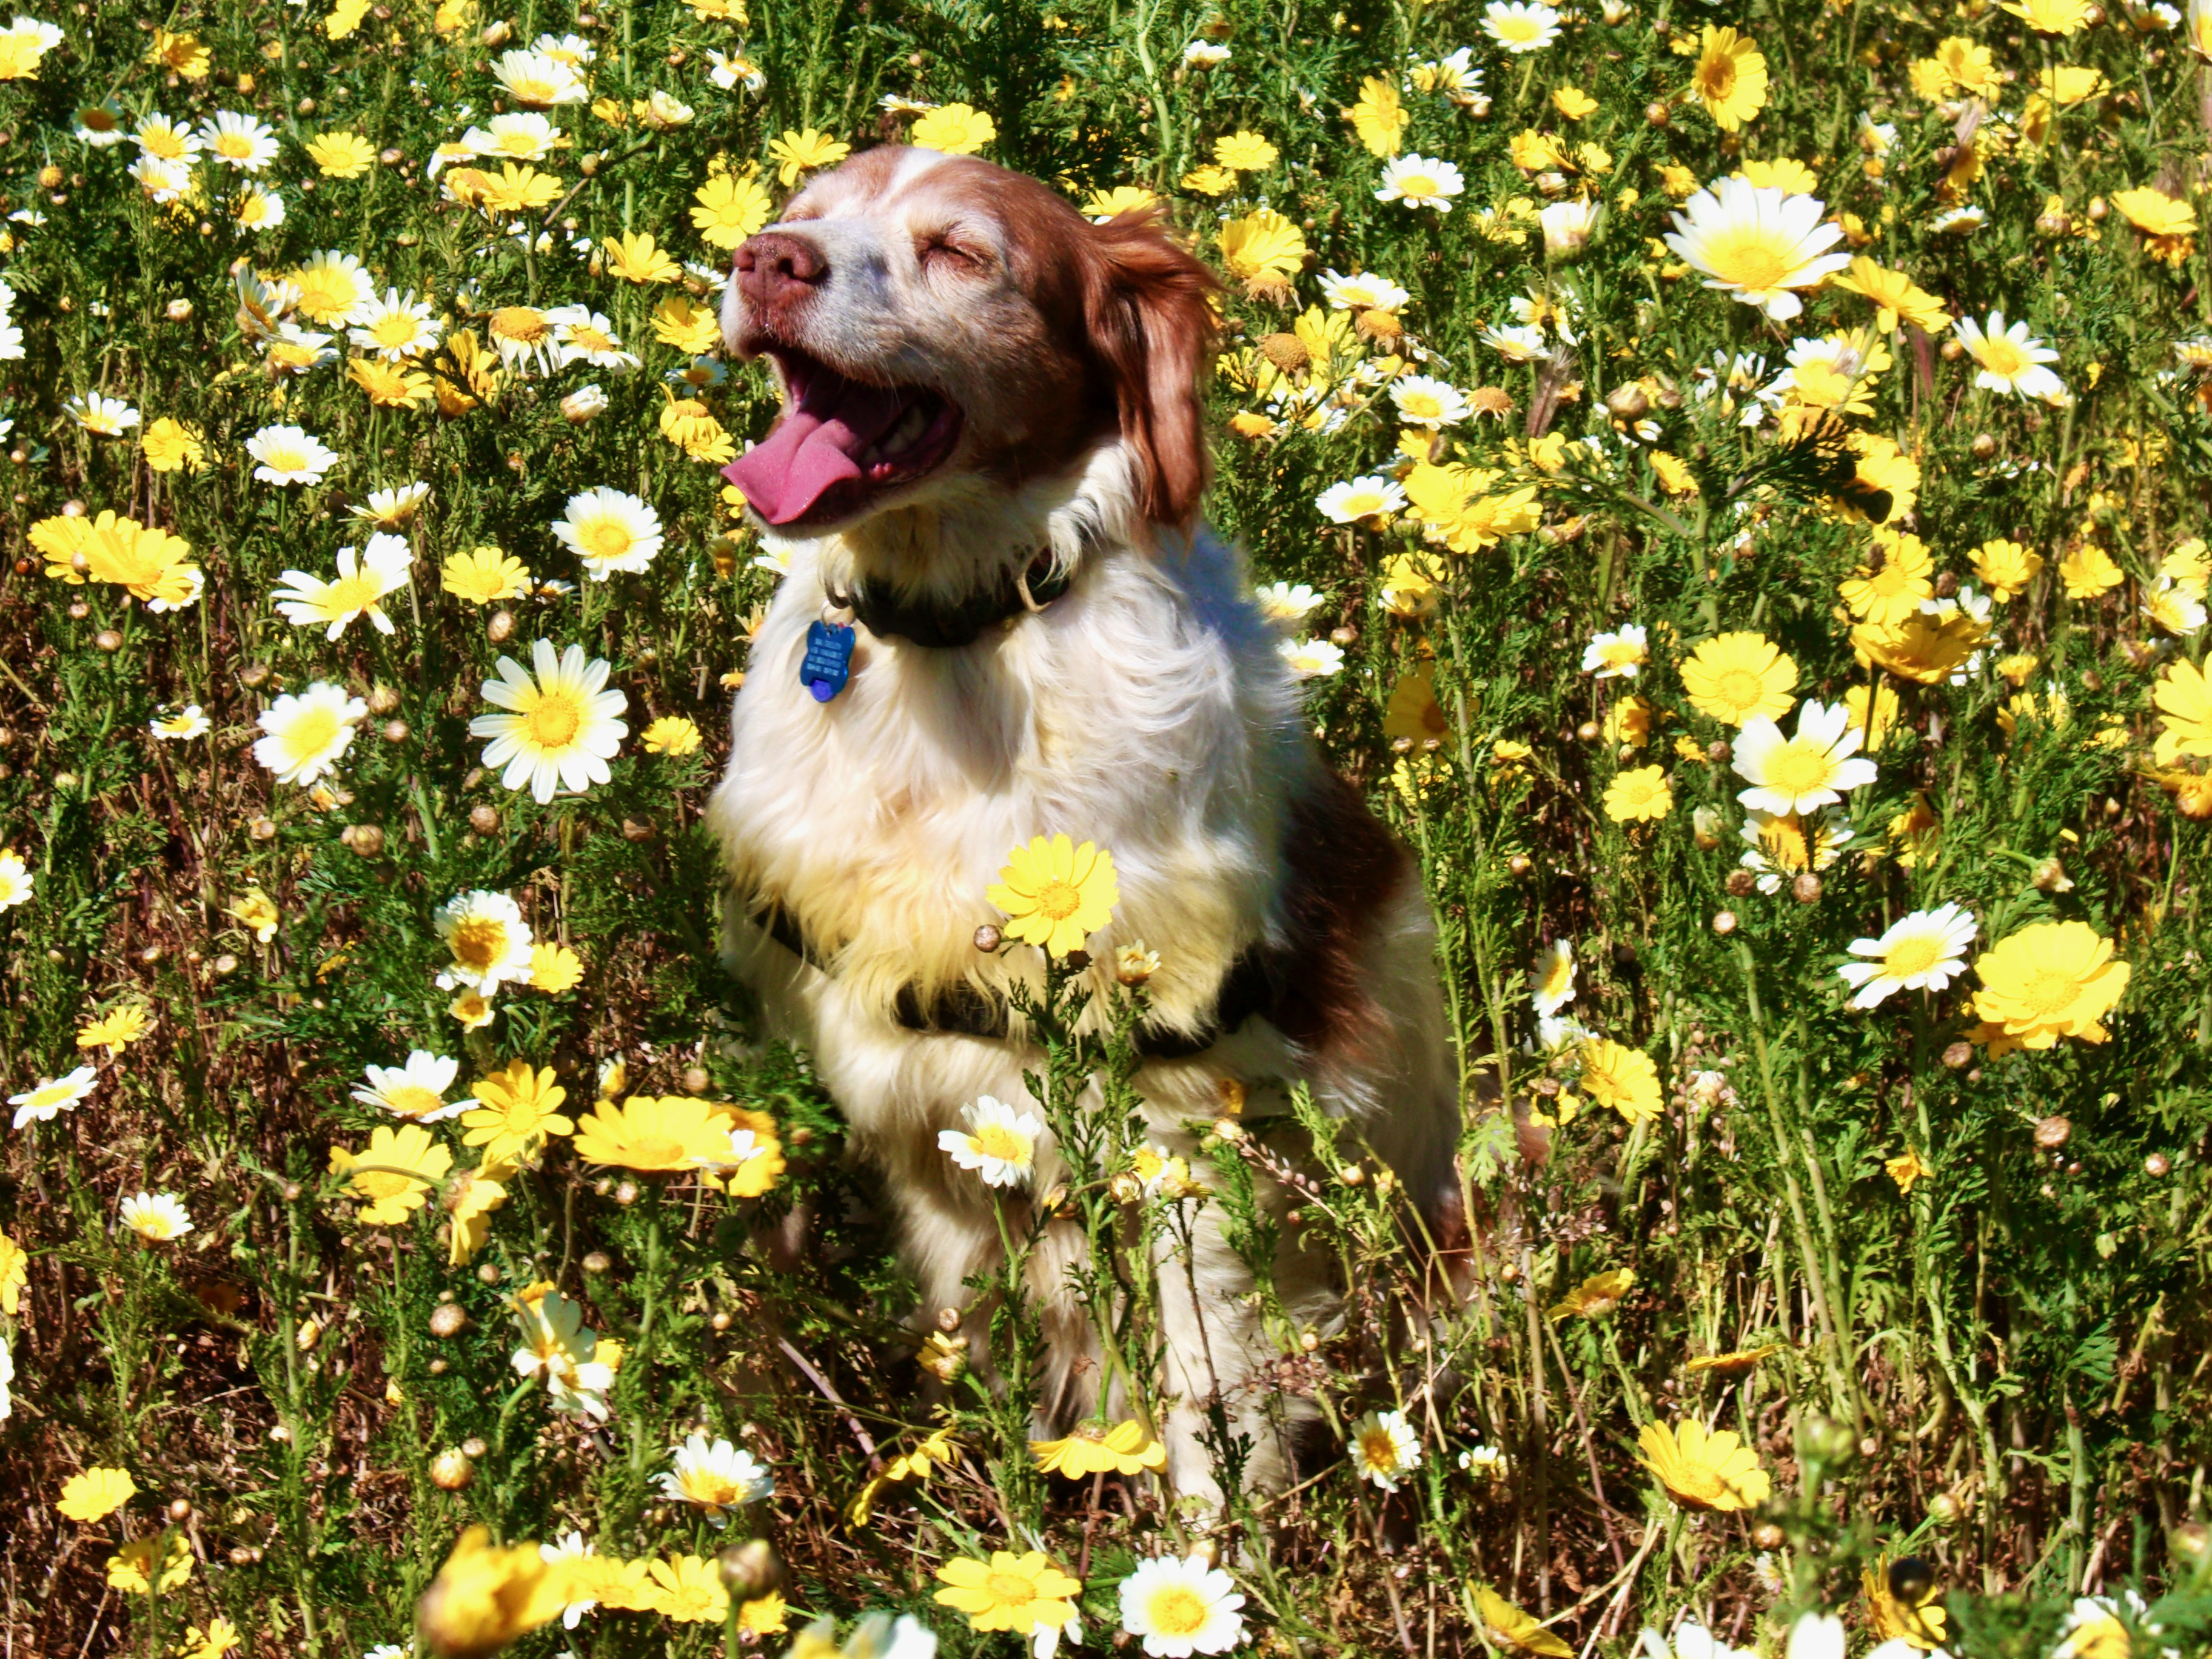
1730,481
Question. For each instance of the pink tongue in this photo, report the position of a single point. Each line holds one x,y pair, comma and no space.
815,446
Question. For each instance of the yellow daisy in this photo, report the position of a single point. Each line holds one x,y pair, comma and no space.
1056,894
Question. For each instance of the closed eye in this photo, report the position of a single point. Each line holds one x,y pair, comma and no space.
943,251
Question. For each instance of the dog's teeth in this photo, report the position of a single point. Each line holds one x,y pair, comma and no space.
903,436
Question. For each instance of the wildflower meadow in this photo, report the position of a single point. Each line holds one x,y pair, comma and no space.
1731,480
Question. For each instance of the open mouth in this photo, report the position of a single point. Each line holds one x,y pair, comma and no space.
842,445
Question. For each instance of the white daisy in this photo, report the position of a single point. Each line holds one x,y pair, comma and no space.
1784,845
417,1090
571,1546
308,733
164,181
1285,603
1517,342
1423,400
558,1348
1551,981
538,79
1206,54
1925,951
1181,1606
1384,1449
99,127
155,1216
1363,293
17,883
394,328
390,509
1308,660
562,727
104,416
237,141
2173,608
1521,25
1567,226
523,136
1616,656
718,1477
571,49
610,530
1819,766
292,349
1692,1640
581,335
490,942
289,456
364,577
1367,497
1758,243
190,721
53,1095
257,208
1420,182
1454,75
731,71
1000,1143
165,139
2009,360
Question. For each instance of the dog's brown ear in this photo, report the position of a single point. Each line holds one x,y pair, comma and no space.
1148,306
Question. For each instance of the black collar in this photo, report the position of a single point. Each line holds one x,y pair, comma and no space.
1254,985
948,624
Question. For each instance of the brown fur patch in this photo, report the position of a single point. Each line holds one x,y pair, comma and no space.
1344,867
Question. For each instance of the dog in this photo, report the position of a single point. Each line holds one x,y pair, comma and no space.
990,457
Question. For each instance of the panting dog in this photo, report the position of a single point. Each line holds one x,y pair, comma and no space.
990,458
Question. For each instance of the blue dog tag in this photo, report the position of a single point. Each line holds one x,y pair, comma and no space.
828,664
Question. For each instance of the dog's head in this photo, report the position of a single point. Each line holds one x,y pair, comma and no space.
939,323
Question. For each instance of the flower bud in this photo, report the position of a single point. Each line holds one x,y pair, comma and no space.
2053,1133
451,1471
750,1570
988,938
585,404
1724,922
1705,828
448,1319
1806,888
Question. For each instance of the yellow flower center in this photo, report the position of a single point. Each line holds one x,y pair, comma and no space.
1912,956
1418,185
234,145
412,1100
1377,1451
397,330
997,1141
555,722
311,734
358,591
2001,357
520,323
1059,900
1420,406
590,339
164,146
1511,31
1740,687
1177,1610
604,539
1717,77
654,1152
479,941
2050,991
1621,653
1798,767
709,1487
1011,1589
1752,256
